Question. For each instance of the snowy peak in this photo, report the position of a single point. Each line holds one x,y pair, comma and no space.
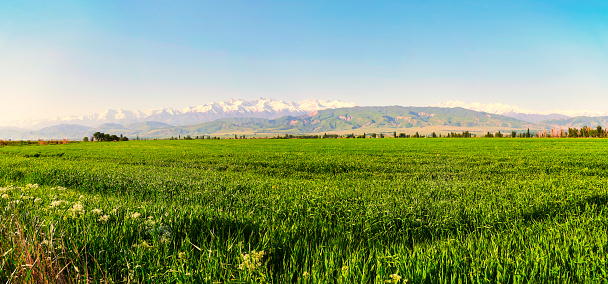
312,105
118,115
266,105
263,108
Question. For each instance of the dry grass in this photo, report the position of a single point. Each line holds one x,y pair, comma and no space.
25,259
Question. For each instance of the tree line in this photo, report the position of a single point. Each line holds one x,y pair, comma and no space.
583,132
464,134
586,131
101,137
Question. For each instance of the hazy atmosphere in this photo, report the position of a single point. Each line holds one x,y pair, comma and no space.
80,57
303,142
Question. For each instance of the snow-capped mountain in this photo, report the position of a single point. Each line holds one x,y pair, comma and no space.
261,108
521,113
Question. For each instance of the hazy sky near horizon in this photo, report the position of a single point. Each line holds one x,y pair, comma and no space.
77,57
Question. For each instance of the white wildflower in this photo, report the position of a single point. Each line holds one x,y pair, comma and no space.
97,211
37,200
150,222
143,244
57,203
135,215
104,218
5,196
251,260
344,269
77,207
162,232
395,278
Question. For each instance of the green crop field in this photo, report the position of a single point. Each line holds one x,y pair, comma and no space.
306,211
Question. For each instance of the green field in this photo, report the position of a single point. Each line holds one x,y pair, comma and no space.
306,211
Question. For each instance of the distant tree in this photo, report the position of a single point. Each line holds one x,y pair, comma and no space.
416,135
394,134
498,135
513,134
98,136
528,133
85,139
489,135
434,135
373,135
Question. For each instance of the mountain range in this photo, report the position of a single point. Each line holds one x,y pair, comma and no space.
521,113
267,117
263,108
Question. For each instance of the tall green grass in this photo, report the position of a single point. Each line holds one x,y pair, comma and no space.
306,211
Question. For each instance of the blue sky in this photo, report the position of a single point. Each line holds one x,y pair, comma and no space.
77,57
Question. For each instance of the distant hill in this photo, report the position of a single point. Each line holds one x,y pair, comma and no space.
61,131
520,113
147,125
75,131
355,119
340,120
535,118
8,132
578,122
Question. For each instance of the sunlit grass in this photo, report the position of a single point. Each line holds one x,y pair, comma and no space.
307,211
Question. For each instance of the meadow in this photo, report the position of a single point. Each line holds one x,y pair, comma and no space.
438,210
